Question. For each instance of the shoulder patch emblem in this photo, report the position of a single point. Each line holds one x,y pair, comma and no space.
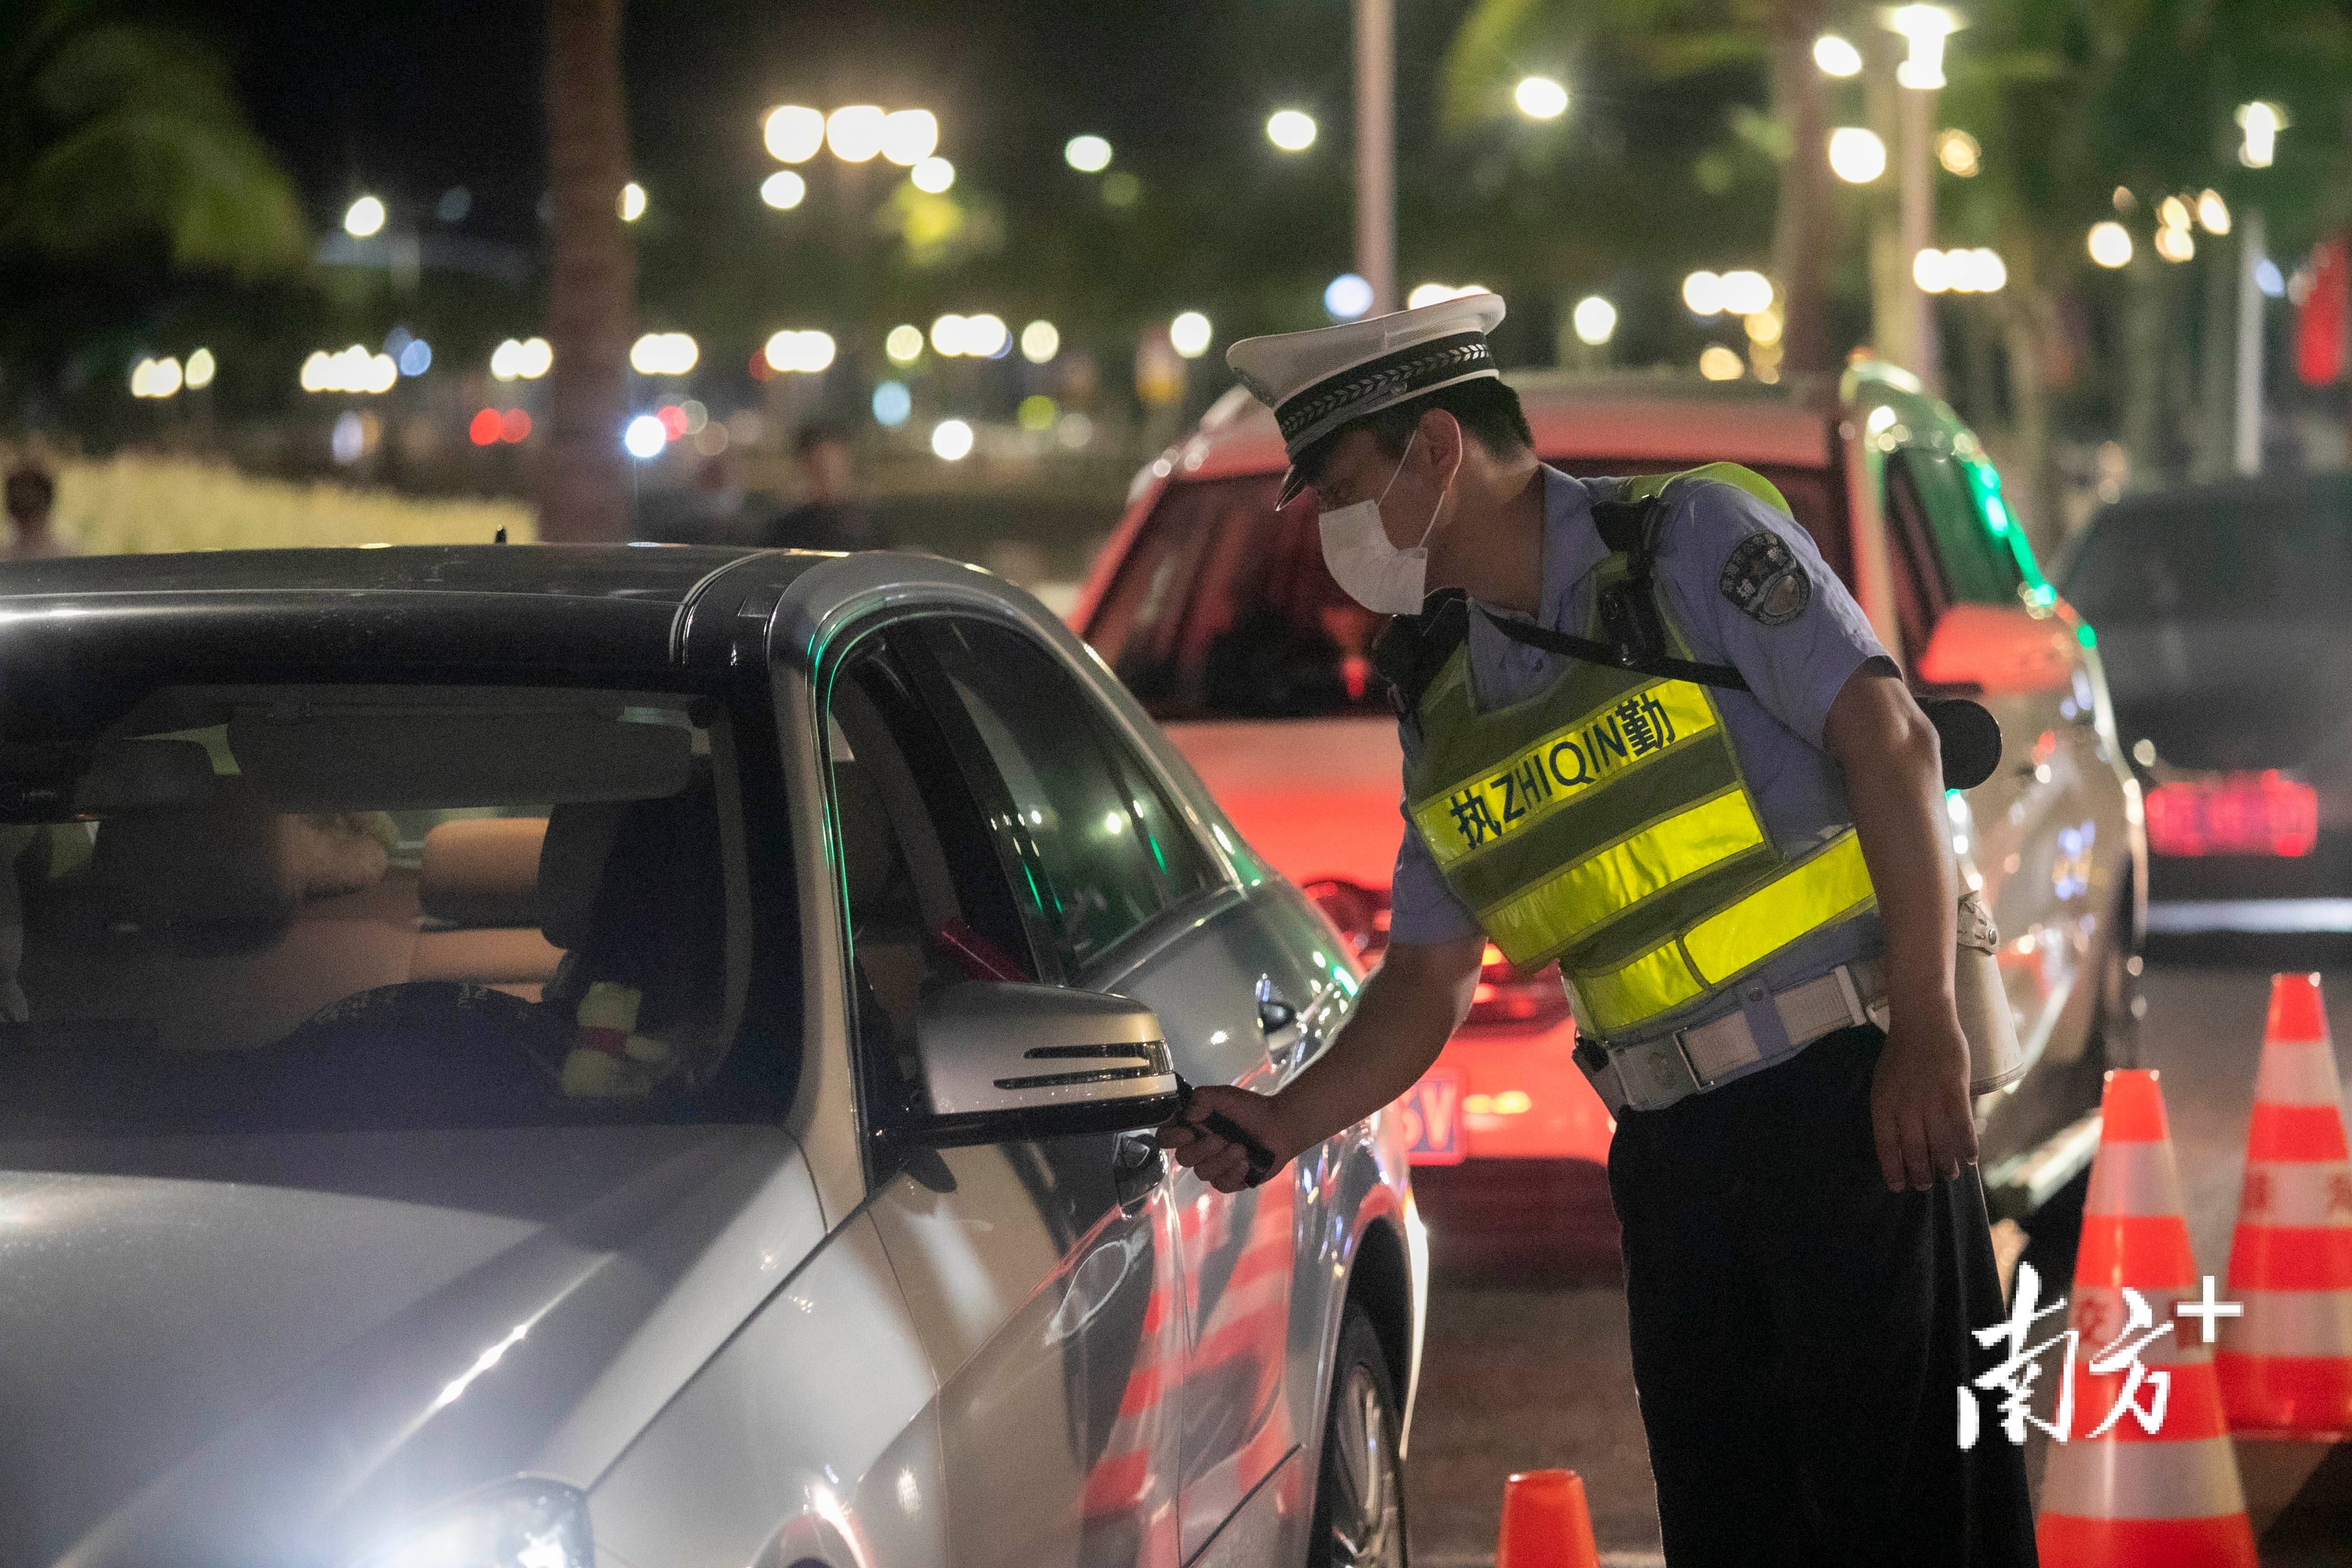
1764,578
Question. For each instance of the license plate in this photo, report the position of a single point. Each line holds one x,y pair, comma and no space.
1431,1109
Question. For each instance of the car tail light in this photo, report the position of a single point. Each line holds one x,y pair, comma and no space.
2247,813
1505,994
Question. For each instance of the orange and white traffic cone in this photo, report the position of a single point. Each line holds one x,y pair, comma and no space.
1546,1522
2166,1499
2287,1365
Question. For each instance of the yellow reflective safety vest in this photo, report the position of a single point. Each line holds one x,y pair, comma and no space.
1605,822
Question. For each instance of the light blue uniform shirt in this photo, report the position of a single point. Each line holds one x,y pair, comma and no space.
1794,671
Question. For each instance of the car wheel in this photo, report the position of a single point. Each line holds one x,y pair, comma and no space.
1360,1493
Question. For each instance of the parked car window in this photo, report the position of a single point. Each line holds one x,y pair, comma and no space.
1920,592
1978,565
439,908
1095,850
2280,552
1223,608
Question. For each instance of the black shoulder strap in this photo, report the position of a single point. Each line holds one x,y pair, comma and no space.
1415,648
1629,610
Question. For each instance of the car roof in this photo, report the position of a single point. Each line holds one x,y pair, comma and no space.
568,614
1645,418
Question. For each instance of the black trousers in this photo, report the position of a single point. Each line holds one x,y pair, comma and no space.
1799,1331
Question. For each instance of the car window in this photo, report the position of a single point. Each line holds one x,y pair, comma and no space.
1921,592
1979,565
929,901
373,908
1096,850
2278,551
1223,609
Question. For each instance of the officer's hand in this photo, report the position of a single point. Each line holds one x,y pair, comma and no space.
1919,1111
1226,1165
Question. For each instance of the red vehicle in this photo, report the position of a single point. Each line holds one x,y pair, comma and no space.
1220,615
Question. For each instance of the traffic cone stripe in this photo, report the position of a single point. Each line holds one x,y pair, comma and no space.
2293,1394
2148,1543
2192,1479
2296,1072
2289,1322
2193,1405
2297,1132
2296,1011
2132,1110
2146,1251
2286,1365
2100,1313
2281,1257
2134,1179
2291,1192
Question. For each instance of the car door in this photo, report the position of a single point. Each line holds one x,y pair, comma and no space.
1122,897
2031,829
1042,1275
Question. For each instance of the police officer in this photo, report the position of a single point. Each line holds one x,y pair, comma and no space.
1647,733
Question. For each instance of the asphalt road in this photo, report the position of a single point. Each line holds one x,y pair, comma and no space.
1525,1365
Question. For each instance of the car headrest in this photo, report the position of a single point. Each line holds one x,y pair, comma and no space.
224,860
483,871
573,850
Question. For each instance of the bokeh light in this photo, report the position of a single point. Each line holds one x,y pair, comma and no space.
363,217
416,358
485,429
952,439
644,437
905,344
909,136
783,190
1746,291
806,352
854,131
663,353
1040,341
201,368
1087,155
1595,320
1540,98
1836,57
1719,363
514,427
892,404
1347,296
933,176
632,202
1290,130
1037,413
1958,152
793,133
1190,333
2110,244
1857,155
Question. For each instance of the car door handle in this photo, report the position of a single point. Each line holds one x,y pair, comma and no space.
1137,1166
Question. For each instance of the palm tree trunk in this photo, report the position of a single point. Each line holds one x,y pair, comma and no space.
1801,237
591,297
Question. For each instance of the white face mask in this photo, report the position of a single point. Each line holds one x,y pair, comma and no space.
1374,572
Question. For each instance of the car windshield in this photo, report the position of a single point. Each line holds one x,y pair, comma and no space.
2271,552
1223,609
292,909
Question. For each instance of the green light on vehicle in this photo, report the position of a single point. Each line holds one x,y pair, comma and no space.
2085,636
1347,982
1995,514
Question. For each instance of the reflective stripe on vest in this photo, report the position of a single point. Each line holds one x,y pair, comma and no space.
1604,822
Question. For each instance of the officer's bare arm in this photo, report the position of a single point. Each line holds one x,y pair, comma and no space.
1894,784
1412,1002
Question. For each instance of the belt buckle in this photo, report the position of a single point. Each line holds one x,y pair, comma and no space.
1656,1073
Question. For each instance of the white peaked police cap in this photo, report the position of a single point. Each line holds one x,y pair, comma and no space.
1317,381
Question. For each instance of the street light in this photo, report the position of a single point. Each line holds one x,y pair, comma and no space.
2262,122
1836,57
1189,334
2110,244
793,132
1595,320
1290,130
854,132
1540,98
365,216
1856,154
1925,27
1087,155
909,136
932,175
783,190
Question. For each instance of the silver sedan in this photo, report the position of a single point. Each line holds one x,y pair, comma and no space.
533,1056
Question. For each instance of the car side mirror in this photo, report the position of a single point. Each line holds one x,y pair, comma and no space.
1001,1060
